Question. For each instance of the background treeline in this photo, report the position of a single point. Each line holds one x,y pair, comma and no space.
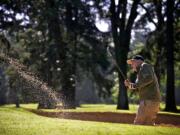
64,43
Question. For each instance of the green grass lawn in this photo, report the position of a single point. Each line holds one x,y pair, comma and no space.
96,108
15,121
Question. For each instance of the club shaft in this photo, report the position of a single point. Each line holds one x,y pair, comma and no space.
120,71
114,61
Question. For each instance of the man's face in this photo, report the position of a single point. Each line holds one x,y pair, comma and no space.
134,65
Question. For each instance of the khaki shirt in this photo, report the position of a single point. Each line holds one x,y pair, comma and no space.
146,83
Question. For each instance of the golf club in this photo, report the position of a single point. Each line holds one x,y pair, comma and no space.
114,61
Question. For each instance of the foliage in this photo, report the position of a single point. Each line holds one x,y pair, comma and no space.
54,38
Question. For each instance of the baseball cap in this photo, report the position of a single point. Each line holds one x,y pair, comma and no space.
136,57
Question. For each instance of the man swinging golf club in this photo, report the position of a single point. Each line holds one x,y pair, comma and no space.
147,85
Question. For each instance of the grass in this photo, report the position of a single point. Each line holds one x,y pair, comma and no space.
15,121
86,108
98,108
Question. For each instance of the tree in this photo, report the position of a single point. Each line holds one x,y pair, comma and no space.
170,95
55,36
121,32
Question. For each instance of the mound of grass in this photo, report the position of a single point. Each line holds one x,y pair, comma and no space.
15,121
86,108
96,108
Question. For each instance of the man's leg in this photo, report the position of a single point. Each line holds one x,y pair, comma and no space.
147,113
140,115
152,109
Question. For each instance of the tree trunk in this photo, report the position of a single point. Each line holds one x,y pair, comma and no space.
170,92
121,31
68,82
160,37
3,89
122,96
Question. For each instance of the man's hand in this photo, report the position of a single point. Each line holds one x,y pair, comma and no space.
127,83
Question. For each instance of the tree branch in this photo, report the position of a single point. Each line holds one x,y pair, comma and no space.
133,15
148,14
123,18
114,20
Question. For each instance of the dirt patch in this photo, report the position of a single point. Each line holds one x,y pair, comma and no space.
162,119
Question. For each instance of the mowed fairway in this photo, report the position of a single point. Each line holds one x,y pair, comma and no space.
15,121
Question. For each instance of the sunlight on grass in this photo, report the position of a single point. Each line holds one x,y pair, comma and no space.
95,108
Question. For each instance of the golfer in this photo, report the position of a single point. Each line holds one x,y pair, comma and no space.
148,88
